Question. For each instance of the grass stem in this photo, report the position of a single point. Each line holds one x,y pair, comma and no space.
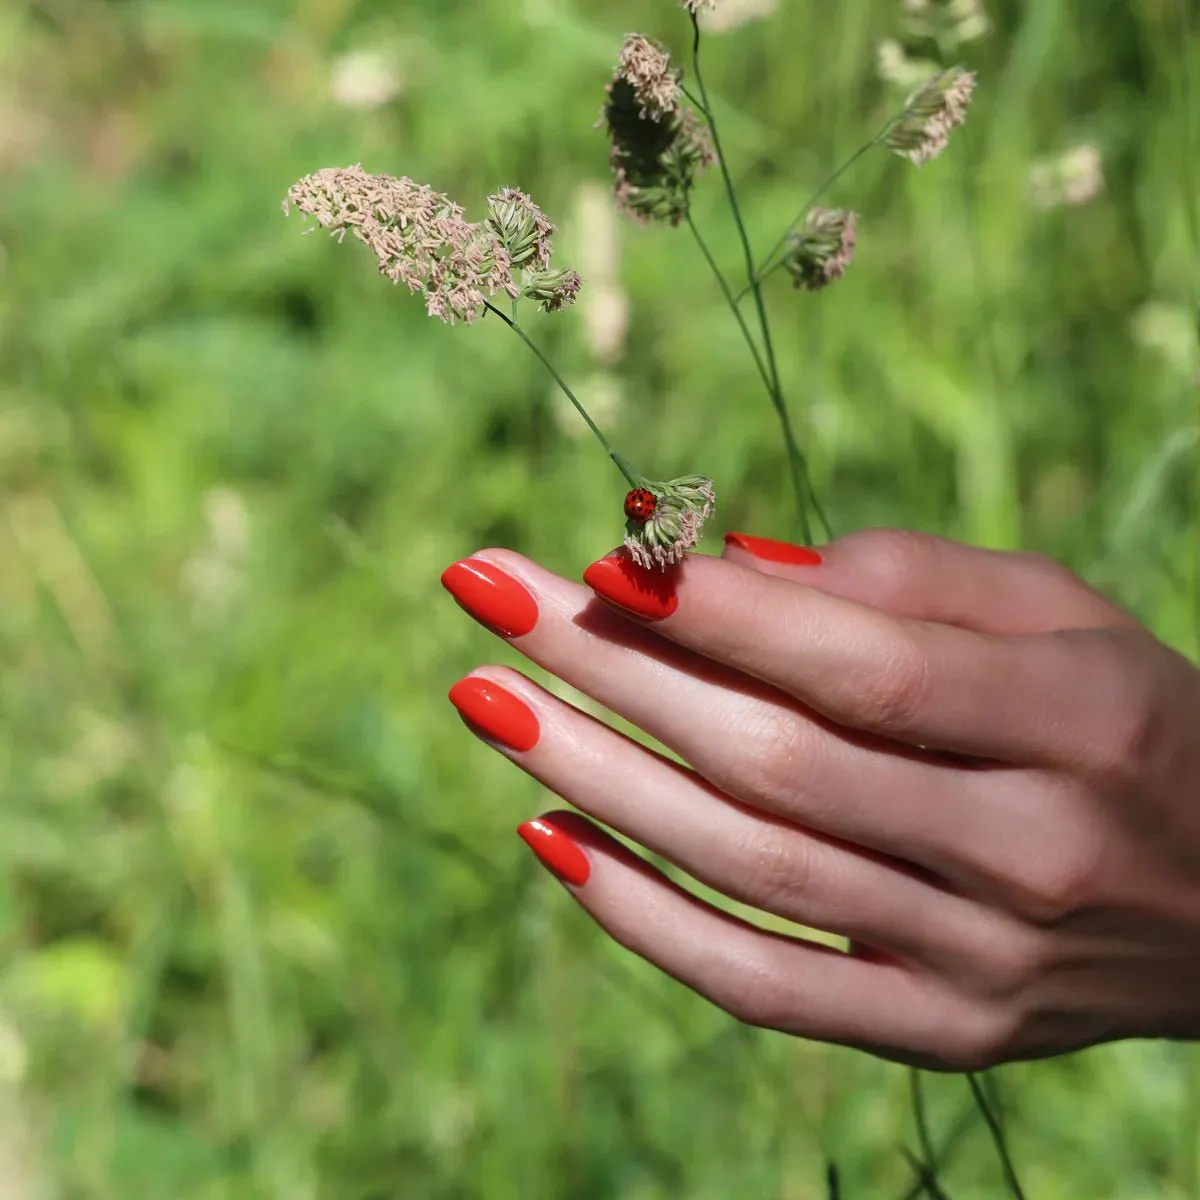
635,480
796,463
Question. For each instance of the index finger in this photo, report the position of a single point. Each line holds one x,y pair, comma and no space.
1030,699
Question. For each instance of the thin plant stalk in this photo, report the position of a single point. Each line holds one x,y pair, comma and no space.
796,463
635,480
962,1125
927,1180
928,1161
768,264
998,1140
727,292
1191,214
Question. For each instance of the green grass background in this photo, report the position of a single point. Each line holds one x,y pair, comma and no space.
265,930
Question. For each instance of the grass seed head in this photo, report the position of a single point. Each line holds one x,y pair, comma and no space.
935,109
681,506
822,250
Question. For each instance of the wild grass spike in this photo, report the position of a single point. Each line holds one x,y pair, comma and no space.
930,114
658,145
822,250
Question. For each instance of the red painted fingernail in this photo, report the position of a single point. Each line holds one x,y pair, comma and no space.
496,712
644,591
556,850
491,596
770,550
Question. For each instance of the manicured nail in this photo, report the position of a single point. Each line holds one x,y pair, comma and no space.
556,850
644,591
496,712
770,550
491,596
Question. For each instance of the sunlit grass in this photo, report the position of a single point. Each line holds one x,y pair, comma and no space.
266,929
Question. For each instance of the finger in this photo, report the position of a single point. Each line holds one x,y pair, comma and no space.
749,856
1039,699
761,978
755,744
931,578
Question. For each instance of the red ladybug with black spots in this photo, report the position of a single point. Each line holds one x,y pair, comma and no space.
639,505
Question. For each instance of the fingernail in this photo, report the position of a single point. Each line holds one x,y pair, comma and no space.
496,712
557,851
491,596
770,550
641,590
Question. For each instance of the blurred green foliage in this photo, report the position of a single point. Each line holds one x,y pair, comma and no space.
264,927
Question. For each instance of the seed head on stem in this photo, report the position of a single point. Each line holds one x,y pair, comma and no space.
658,145
936,108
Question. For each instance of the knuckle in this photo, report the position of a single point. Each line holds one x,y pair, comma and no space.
1049,568
1125,737
776,867
1015,960
889,557
759,996
777,761
1062,882
980,1038
892,698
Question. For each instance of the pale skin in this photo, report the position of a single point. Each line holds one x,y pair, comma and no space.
969,763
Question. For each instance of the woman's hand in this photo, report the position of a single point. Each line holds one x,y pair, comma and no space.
970,764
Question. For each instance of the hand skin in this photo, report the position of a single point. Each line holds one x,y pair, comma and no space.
968,763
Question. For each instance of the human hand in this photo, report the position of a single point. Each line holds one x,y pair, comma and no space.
968,763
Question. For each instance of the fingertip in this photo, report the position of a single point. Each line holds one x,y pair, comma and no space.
550,838
643,591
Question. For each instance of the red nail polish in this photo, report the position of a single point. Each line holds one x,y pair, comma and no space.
556,850
491,596
770,550
644,591
496,712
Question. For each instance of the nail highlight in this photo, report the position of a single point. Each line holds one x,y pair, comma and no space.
492,596
558,851
640,590
496,712
770,550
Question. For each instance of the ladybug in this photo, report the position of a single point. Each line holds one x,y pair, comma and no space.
639,505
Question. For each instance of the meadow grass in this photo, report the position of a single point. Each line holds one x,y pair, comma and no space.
265,930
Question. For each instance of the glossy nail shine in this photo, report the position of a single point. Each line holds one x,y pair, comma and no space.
644,591
496,712
557,850
492,596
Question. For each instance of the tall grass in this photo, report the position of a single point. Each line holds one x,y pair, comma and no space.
264,927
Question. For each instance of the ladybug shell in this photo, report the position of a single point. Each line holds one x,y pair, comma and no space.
639,505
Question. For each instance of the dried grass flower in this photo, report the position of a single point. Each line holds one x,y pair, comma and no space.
822,250
936,108
419,237
658,147
672,528
646,67
422,239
